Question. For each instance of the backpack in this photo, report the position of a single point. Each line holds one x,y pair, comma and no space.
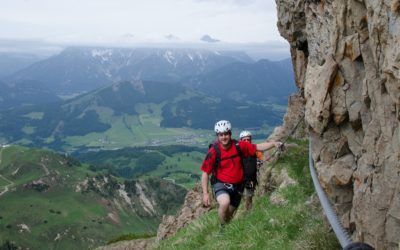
249,163
250,170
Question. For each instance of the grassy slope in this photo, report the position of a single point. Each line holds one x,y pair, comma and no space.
296,225
78,220
3,183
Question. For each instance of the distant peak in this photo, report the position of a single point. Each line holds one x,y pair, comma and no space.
171,37
209,39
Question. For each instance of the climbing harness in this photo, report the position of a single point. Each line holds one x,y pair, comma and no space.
228,186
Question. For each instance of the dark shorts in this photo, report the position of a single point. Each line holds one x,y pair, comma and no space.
234,191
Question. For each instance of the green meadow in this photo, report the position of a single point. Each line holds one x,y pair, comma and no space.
136,130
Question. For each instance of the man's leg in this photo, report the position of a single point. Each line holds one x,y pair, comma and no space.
235,198
248,197
231,212
248,194
224,211
249,202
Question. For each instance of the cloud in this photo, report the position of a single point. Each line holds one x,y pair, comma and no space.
150,20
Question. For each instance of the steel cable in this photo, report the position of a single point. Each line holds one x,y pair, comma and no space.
281,148
341,234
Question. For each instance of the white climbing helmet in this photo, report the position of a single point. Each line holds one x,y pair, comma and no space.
222,126
244,133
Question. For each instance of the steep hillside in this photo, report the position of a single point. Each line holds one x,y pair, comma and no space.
12,62
78,69
263,81
50,201
201,111
25,93
345,56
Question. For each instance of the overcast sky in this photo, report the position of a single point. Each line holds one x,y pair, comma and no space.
110,20
134,21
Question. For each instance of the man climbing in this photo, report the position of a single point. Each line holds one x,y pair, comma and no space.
250,167
223,162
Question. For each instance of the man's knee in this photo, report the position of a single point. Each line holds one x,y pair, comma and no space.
223,201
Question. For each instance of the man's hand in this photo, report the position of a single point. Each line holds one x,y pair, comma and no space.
279,145
206,200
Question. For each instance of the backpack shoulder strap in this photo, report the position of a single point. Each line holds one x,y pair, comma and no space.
217,157
239,151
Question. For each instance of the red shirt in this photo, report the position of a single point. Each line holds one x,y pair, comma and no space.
230,170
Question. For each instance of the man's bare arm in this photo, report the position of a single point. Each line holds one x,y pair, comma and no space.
268,145
204,186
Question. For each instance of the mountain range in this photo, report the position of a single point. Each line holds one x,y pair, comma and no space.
223,74
80,69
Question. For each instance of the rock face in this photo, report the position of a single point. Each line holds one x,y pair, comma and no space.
293,122
346,57
191,210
